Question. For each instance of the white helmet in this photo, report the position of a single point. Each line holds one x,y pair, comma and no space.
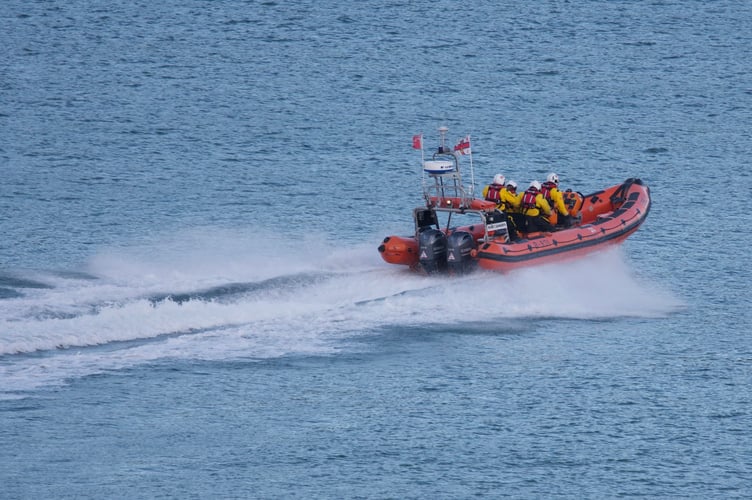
499,179
552,177
512,184
536,185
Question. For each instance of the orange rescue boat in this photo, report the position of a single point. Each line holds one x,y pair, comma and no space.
600,219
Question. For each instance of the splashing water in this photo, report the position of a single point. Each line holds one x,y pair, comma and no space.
215,297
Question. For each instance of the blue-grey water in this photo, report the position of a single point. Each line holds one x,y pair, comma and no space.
191,300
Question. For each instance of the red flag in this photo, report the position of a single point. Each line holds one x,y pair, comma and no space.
463,146
418,141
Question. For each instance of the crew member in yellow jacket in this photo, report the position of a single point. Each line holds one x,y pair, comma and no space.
554,197
536,209
512,206
504,194
492,192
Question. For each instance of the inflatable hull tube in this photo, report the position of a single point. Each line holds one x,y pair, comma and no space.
401,250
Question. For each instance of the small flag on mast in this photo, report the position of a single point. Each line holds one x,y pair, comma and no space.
463,147
418,141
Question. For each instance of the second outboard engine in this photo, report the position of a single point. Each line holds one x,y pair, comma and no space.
459,246
432,251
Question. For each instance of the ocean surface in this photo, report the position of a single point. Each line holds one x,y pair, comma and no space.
191,300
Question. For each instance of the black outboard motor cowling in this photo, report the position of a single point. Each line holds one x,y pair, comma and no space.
432,251
460,244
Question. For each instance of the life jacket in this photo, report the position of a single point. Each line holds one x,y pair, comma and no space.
494,192
546,188
528,199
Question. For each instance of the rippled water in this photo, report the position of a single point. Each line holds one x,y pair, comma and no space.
191,300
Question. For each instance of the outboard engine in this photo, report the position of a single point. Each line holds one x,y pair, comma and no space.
459,246
432,251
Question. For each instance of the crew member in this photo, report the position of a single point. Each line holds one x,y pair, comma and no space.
536,209
492,192
554,197
511,204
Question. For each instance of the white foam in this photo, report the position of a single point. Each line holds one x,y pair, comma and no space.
353,293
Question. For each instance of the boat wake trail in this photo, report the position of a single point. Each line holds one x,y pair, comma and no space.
192,302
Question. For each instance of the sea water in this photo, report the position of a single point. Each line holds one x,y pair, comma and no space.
191,300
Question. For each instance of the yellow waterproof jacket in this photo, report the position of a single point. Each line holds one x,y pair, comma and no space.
541,207
505,201
510,203
558,201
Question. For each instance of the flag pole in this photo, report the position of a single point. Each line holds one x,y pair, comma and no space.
422,167
418,144
472,170
464,146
